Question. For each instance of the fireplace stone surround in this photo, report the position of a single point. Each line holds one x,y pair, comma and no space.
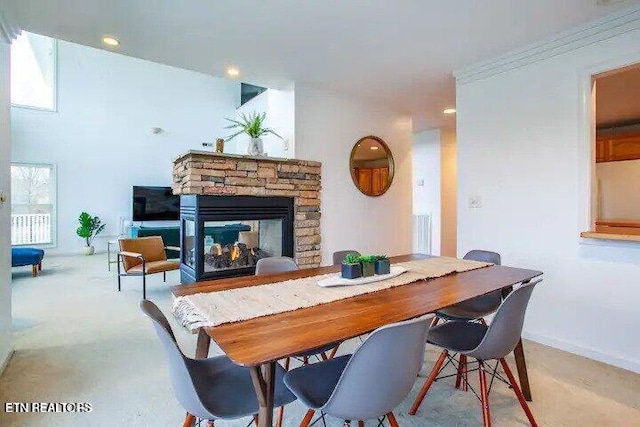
218,174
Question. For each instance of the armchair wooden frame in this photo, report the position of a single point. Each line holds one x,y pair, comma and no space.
143,271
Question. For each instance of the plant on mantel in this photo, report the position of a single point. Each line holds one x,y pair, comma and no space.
252,125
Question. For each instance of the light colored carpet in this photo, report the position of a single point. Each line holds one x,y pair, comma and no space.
78,340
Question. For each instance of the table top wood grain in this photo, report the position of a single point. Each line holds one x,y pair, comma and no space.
265,339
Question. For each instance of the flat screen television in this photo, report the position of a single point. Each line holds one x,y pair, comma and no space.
155,204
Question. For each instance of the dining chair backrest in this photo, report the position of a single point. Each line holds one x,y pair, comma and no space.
181,378
276,264
339,256
151,248
381,372
505,329
490,302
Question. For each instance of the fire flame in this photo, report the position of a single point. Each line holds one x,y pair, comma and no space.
218,249
235,252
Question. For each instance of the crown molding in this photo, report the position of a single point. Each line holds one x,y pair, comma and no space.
8,30
610,26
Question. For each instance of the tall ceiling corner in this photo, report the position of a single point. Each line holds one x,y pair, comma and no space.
9,30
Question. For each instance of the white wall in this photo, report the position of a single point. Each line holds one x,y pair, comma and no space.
523,148
5,208
614,181
449,192
327,126
100,136
279,106
426,181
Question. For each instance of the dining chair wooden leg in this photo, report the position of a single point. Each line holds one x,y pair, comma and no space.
280,416
360,423
255,420
333,352
521,366
465,375
519,394
210,424
307,418
484,395
324,357
429,382
392,420
462,359
435,321
287,363
189,420
305,360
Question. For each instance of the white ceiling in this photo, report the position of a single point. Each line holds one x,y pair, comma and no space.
400,52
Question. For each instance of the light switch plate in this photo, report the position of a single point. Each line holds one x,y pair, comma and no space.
475,202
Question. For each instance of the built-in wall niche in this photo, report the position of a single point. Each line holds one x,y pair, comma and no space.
616,166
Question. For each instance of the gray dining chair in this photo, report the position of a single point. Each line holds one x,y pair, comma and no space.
274,265
478,307
369,384
213,388
483,343
339,256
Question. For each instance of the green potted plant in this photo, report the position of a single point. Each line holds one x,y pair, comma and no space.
383,265
351,268
368,265
89,228
252,125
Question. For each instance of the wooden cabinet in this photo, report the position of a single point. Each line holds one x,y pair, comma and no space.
617,147
364,178
373,181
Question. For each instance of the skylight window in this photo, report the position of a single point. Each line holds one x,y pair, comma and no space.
33,72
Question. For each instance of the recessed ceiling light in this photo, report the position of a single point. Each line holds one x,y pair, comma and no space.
449,111
110,41
233,72
375,147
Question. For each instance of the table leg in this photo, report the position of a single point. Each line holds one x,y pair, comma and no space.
263,378
521,365
202,346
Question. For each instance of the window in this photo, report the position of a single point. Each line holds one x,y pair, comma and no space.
32,204
33,72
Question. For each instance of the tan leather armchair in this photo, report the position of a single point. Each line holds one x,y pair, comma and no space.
143,256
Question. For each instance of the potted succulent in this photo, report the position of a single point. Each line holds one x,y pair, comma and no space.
252,125
368,265
89,228
351,268
383,265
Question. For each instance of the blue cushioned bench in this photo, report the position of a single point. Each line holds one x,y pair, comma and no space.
27,256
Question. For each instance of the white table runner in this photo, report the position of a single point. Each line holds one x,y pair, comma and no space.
234,305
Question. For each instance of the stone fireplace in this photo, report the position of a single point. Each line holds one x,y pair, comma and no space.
234,211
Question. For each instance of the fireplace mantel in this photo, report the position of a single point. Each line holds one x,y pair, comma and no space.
219,174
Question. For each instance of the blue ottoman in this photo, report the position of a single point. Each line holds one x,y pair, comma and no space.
27,256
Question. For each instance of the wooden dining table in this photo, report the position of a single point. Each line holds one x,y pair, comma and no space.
261,342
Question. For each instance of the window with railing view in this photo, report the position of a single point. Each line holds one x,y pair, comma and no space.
32,204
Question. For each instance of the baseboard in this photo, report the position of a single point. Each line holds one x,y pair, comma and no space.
590,353
5,362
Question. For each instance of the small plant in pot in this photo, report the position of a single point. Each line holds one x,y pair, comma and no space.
368,265
383,265
89,228
351,268
252,125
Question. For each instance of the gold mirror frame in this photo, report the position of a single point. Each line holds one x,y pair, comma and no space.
390,161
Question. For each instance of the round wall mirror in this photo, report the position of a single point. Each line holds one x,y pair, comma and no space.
371,166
